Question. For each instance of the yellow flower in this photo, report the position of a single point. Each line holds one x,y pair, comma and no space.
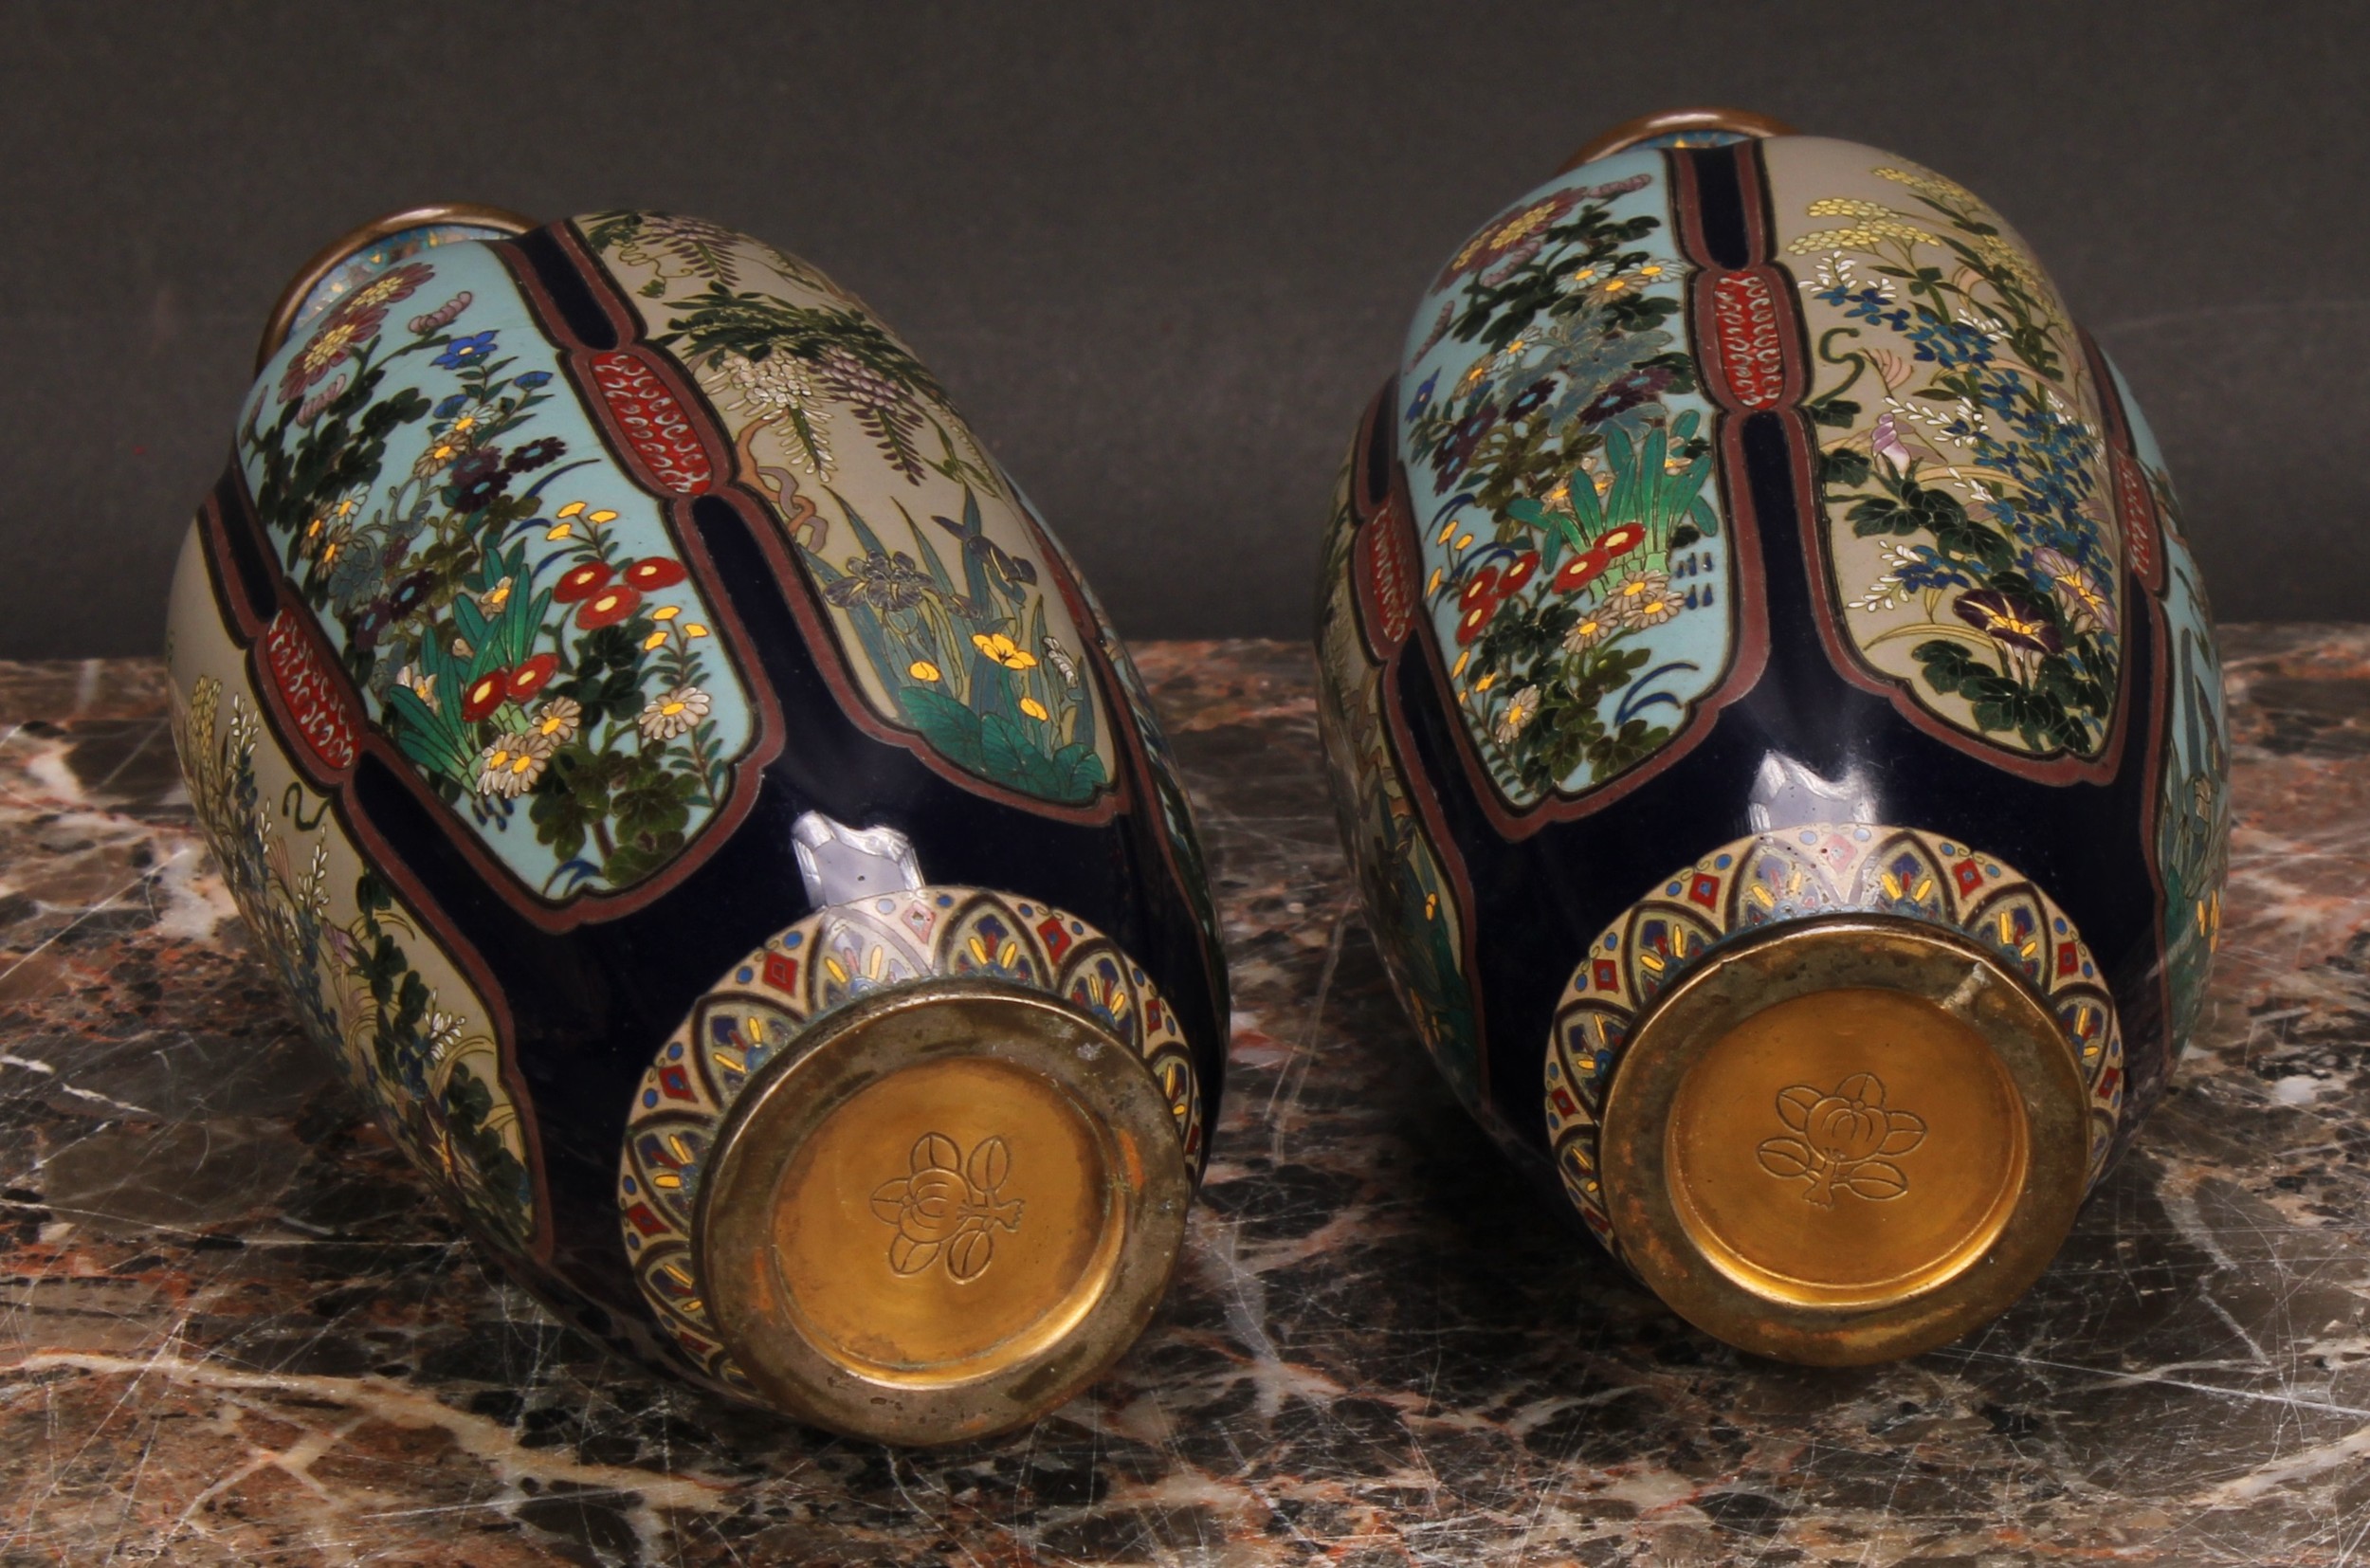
601,517
922,669
560,531
653,640
1003,650
1034,708
570,510
665,612
693,629
1466,540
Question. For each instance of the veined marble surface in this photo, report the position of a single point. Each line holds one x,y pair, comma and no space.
235,1330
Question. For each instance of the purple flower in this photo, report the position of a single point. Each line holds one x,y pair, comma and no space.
1642,385
536,453
410,595
477,479
2007,622
1458,449
1530,397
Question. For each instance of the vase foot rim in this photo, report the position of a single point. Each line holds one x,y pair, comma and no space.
944,1217
1847,1141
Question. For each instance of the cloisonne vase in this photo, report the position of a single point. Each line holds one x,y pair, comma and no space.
680,781
1779,728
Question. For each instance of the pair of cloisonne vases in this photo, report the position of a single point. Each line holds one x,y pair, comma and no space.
678,776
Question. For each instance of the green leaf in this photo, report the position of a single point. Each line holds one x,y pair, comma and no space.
1009,756
950,727
1077,772
1844,467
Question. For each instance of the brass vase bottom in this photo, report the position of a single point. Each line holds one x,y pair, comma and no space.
1850,1139
946,1214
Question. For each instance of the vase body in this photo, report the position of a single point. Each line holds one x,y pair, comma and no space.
1777,727
660,752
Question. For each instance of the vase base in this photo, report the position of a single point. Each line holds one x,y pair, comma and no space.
946,1217
1850,1139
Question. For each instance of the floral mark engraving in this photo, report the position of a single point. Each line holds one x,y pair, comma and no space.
1844,1139
948,1206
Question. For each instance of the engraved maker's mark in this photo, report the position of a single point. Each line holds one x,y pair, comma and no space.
948,1206
1842,1140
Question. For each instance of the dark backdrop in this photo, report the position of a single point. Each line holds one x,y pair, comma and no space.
1161,255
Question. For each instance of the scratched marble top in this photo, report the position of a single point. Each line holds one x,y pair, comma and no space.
235,1329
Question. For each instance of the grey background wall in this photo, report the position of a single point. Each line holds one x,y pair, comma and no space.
1161,254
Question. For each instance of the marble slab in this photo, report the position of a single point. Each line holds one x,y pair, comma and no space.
235,1330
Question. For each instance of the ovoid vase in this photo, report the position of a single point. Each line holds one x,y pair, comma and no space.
1777,727
684,786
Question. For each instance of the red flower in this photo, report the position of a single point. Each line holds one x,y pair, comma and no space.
608,607
1518,573
1621,541
483,696
1580,570
530,677
354,321
1478,604
344,332
1518,233
653,573
582,582
1482,589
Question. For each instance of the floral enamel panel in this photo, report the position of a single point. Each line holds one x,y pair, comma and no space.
371,984
956,619
1578,573
760,1009
1406,885
1755,882
1909,557
510,604
1973,558
2193,807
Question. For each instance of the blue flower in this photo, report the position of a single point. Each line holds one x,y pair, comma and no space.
532,380
452,405
460,351
1422,399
